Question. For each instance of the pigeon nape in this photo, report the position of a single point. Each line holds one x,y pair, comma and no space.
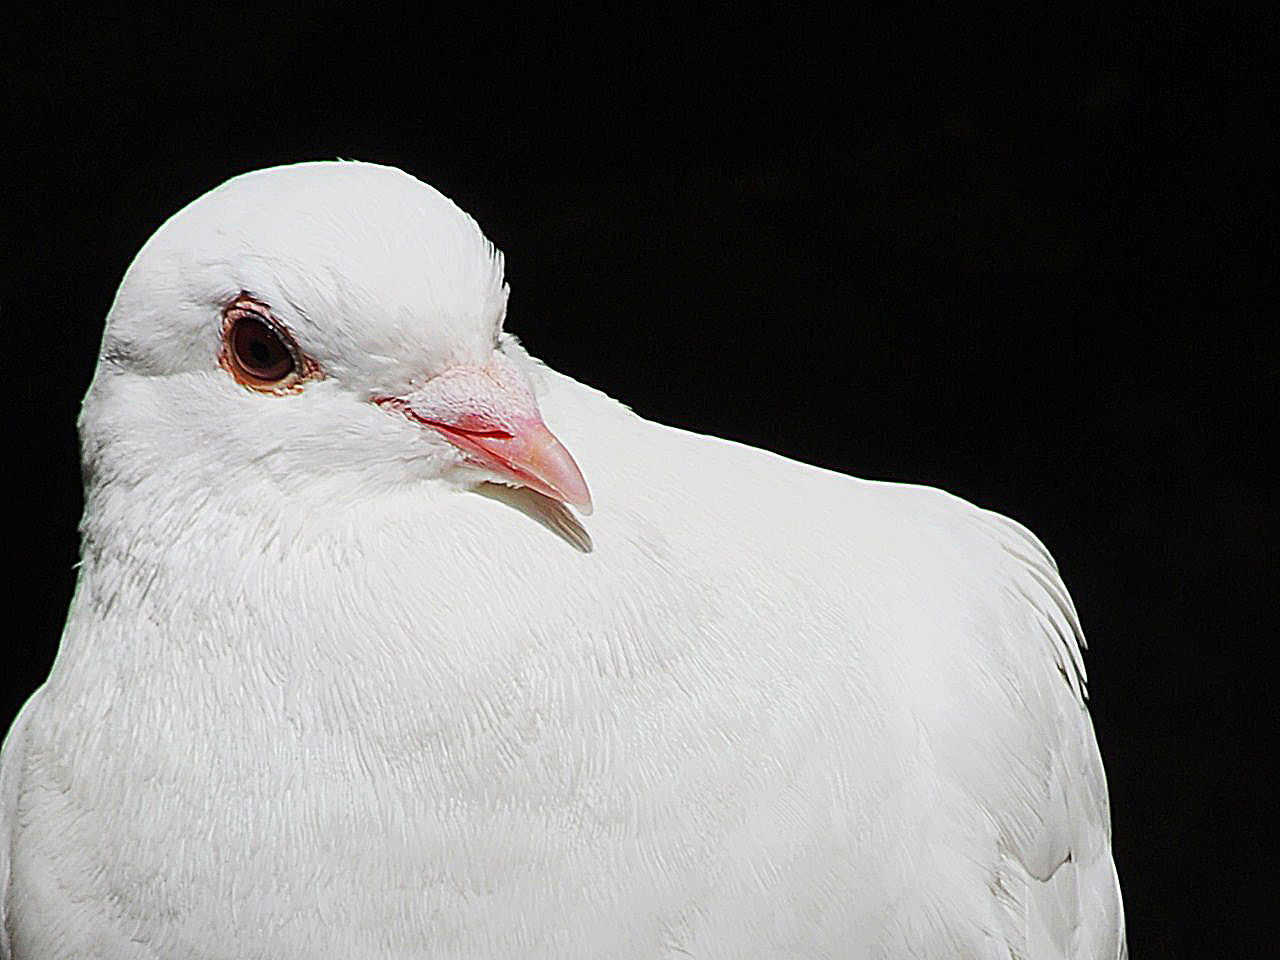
389,640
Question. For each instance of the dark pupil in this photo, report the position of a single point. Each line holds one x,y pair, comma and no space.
260,351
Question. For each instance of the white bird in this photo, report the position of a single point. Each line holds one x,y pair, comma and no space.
346,675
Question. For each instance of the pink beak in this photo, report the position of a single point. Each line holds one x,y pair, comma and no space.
489,413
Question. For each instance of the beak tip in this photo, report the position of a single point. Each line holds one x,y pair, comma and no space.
569,487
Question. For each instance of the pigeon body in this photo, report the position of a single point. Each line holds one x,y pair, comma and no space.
344,675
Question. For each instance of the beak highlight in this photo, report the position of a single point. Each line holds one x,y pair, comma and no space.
489,414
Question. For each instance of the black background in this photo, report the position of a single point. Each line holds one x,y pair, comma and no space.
1010,260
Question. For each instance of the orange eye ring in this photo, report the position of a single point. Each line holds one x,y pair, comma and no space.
258,351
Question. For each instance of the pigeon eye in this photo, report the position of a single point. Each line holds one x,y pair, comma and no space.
258,352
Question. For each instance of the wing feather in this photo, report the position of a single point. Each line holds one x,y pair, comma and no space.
1047,791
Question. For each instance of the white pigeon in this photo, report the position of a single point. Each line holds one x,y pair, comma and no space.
353,670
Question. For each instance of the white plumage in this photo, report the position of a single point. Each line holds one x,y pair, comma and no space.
344,677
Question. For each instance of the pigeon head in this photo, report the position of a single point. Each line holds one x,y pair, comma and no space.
322,325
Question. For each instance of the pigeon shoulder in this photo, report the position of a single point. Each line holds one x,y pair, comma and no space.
960,610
